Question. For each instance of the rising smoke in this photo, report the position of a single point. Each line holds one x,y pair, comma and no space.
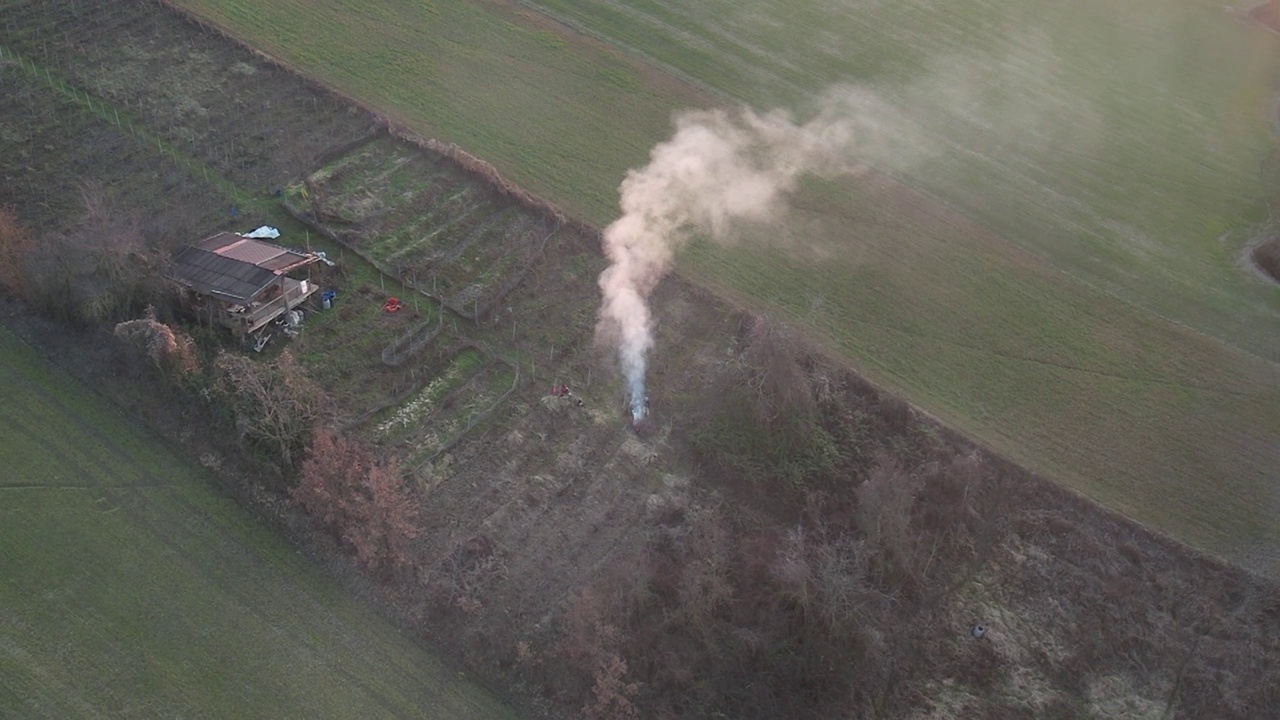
718,170
721,169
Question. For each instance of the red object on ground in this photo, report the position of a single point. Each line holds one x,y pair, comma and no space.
392,304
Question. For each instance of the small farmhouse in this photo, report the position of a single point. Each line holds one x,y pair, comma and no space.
240,282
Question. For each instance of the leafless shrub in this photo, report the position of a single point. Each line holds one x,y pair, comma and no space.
957,512
896,414
884,511
1132,553
772,355
840,570
704,583
99,269
792,573
526,656
466,573
274,403
1267,255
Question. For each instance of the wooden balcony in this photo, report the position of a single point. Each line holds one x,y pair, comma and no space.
259,314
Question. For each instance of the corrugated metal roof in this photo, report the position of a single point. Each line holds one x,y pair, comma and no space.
285,262
252,251
210,273
233,267
214,243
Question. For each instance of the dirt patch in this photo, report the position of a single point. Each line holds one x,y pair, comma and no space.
1267,14
1265,256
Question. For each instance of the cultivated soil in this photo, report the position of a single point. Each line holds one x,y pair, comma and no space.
717,560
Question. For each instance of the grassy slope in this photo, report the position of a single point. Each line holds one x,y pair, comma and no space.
1128,143
129,588
968,324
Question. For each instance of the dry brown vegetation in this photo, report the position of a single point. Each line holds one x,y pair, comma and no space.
171,350
861,603
1267,13
97,270
16,245
363,502
1267,256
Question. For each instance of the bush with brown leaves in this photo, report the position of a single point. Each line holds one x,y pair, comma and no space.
364,503
591,644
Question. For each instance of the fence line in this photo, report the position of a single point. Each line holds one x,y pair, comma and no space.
485,172
111,115
476,419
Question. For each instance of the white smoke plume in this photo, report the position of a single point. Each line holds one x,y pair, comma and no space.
717,170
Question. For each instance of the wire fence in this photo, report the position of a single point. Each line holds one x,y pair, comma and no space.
106,112
474,419
27,24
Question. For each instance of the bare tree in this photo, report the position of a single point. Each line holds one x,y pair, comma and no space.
884,512
772,355
274,403
99,269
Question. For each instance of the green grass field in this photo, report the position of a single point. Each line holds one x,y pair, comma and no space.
1091,323
130,588
506,84
1128,143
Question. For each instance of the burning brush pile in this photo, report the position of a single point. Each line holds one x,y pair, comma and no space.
719,170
